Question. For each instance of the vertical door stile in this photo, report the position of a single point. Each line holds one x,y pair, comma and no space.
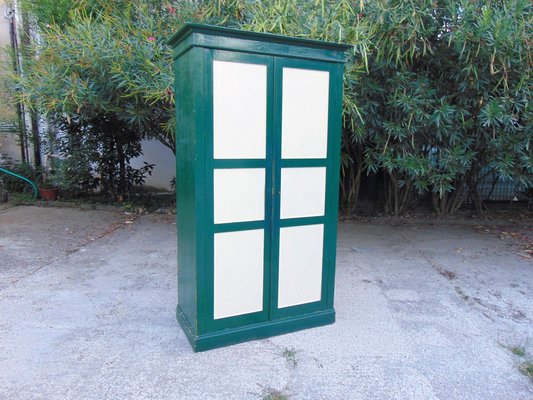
270,186
276,178
206,278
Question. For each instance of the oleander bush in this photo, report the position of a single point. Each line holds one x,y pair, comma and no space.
436,93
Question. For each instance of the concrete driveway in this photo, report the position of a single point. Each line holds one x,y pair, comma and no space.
424,311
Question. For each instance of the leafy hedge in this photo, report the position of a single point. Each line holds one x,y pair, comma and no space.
437,93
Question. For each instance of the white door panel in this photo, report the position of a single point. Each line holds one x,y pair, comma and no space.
304,113
238,275
239,194
300,265
303,192
239,110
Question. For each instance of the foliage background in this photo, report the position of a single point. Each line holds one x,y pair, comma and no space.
437,93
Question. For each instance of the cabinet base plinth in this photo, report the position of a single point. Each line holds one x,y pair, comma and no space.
246,333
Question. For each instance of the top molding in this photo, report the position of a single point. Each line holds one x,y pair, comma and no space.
215,37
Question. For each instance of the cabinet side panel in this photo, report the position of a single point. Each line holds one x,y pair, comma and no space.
184,71
334,151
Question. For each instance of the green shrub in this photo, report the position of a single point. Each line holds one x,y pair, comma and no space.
13,184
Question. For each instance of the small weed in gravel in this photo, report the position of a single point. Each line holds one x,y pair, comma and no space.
290,356
527,369
518,351
273,394
526,366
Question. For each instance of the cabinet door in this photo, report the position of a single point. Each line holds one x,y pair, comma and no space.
306,145
239,174
272,188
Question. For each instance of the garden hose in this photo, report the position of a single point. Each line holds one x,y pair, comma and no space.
23,178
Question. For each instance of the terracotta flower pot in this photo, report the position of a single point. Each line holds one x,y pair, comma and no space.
48,194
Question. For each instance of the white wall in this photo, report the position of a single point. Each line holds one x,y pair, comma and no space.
165,164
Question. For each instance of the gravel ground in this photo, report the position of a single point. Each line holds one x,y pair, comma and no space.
425,310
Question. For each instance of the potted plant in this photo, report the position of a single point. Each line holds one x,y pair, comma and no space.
47,188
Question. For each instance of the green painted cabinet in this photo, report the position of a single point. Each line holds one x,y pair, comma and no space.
258,155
